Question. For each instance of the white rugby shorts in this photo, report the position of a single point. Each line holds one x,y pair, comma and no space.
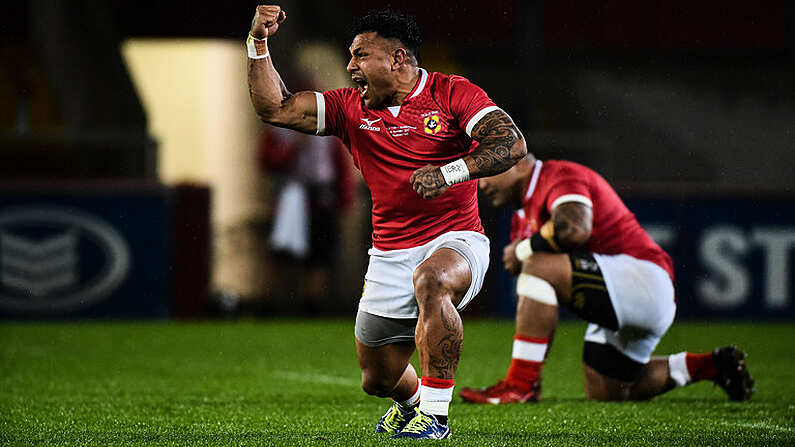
389,281
643,298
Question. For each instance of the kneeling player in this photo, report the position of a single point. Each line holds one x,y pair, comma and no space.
575,244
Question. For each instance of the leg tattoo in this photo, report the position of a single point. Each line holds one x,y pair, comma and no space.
443,357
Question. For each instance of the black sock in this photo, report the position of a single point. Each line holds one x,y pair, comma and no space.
442,419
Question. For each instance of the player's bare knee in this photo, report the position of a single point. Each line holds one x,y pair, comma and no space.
539,267
607,397
536,266
376,386
535,289
531,266
598,397
608,393
430,284
373,389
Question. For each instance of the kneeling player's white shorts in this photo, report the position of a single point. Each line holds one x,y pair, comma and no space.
643,298
389,281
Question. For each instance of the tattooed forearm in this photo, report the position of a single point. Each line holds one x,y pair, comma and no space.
573,223
500,146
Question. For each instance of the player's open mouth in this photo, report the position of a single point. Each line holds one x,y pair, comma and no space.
361,84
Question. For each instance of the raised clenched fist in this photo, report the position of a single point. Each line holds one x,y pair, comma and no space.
266,21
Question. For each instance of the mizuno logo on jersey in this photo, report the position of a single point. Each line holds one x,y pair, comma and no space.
368,124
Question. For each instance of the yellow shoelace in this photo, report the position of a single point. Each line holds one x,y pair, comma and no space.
394,419
418,423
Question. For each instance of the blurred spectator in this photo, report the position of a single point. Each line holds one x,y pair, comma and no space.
311,178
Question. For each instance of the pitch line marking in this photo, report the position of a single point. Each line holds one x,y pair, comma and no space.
762,425
316,378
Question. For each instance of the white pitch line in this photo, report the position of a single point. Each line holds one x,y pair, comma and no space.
762,425
316,378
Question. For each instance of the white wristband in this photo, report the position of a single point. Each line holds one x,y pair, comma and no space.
523,250
455,172
251,47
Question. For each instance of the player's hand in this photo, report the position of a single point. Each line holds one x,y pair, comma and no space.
428,181
267,19
512,264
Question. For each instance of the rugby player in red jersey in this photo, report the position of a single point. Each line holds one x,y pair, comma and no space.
575,244
417,138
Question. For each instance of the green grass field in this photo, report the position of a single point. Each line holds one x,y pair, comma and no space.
296,383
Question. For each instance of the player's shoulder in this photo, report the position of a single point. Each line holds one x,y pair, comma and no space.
566,169
452,92
435,76
345,94
561,174
345,102
446,82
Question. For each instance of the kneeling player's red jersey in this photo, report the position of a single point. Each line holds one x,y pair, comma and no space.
432,126
615,229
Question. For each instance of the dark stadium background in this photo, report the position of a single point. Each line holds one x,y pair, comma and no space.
688,108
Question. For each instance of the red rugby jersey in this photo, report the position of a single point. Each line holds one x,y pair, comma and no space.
519,226
615,229
432,126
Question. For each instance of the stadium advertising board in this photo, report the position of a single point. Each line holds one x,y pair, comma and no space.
732,258
84,254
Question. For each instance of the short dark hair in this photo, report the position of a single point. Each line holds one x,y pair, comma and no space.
391,25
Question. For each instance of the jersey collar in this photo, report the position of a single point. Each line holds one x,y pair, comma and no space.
533,180
418,88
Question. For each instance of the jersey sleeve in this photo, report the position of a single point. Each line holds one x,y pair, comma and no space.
568,189
518,224
468,103
331,112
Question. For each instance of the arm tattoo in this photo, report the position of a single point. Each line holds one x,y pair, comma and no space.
432,179
573,223
500,146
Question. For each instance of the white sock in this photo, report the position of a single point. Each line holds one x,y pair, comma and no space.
531,349
413,400
435,400
677,369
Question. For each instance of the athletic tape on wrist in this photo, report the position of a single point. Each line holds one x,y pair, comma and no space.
536,289
251,47
455,172
523,250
